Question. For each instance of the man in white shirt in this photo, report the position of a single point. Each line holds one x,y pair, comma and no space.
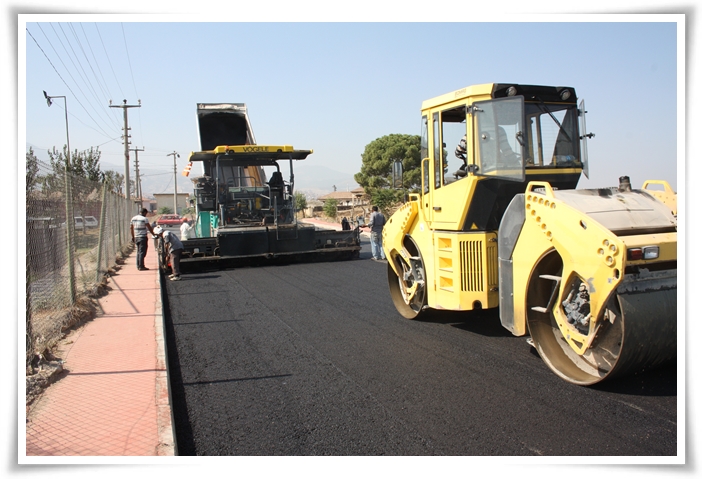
139,225
186,231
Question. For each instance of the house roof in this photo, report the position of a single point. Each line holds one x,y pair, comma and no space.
337,195
343,195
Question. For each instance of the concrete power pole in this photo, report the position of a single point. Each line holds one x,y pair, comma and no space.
126,144
175,181
138,178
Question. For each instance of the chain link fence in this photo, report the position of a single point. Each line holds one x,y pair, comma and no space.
76,232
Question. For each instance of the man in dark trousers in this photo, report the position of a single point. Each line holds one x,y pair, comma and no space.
139,226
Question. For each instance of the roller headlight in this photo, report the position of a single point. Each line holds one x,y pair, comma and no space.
645,253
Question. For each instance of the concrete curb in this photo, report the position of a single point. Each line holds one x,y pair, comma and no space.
166,434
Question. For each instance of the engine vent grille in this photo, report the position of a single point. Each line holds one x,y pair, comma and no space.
474,272
472,266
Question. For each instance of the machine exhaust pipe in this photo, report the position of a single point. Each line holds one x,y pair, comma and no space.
624,184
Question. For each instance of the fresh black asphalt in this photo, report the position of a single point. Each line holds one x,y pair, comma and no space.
313,359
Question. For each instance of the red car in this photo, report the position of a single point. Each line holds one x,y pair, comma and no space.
170,220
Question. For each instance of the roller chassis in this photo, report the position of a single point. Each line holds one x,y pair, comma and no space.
564,266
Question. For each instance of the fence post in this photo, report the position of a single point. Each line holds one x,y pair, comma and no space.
29,345
70,226
119,223
113,235
101,234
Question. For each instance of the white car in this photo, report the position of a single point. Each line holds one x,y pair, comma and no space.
90,222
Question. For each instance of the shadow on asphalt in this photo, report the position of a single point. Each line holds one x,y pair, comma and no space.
661,380
482,322
658,381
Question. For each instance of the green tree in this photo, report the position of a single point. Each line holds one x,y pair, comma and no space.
85,164
300,202
32,170
376,169
381,153
384,198
113,180
90,162
164,210
330,208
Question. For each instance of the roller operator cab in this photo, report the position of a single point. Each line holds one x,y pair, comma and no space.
590,275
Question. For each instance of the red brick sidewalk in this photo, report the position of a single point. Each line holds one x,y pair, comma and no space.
113,398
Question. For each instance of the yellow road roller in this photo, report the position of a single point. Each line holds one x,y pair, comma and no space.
589,274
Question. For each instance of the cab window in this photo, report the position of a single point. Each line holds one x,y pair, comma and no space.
424,139
552,135
499,138
453,130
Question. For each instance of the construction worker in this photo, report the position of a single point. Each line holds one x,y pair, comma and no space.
174,248
186,231
139,225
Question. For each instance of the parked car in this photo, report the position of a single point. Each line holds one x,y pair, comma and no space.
90,221
170,220
85,222
42,223
81,222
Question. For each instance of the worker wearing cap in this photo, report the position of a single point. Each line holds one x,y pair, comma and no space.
175,249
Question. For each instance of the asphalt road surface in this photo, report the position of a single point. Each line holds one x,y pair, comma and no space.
313,359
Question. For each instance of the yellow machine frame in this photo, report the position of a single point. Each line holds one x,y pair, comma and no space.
521,238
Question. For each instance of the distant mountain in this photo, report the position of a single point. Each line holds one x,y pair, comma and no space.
313,180
319,180
164,184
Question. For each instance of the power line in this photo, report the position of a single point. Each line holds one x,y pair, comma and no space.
85,78
62,79
77,68
129,61
131,71
81,71
105,90
109,61
90,83
46,56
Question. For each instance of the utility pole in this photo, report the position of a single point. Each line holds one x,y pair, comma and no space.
175,181
126,137
138,178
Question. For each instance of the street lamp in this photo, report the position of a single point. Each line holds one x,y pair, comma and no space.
69,200
68,144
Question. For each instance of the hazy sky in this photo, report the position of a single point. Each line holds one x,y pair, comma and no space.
335,87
